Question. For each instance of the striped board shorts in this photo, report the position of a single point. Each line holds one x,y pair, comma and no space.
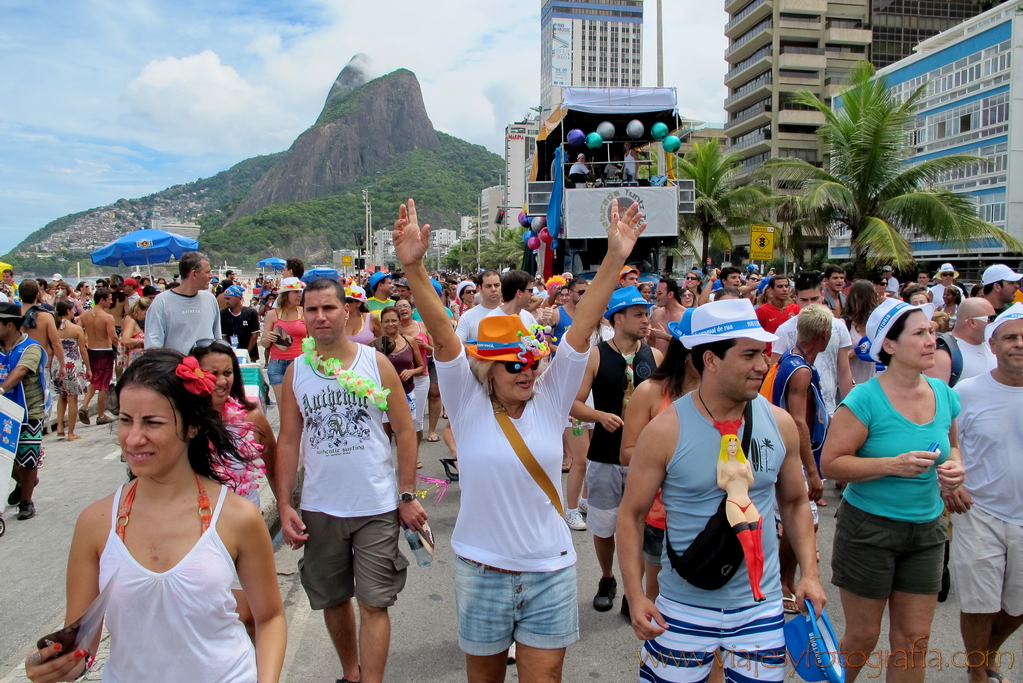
749,642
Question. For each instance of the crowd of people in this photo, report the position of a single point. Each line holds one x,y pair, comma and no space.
684,412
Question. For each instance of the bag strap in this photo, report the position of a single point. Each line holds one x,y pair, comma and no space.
747,432
527,458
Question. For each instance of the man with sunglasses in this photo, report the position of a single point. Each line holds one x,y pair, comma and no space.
563,314
964,352
669,309
946,277
614,369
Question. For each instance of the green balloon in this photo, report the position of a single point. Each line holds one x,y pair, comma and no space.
658,130
594,141
671,144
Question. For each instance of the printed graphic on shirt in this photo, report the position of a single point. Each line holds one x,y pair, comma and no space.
761,455
336,421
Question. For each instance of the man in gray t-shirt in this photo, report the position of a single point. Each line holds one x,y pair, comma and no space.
182,316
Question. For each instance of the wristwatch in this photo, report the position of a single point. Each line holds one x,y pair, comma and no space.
407,497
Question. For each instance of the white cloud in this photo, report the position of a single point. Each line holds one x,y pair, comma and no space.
196,103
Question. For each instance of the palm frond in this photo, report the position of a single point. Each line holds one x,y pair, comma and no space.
945,216
792,169
880,242
927,173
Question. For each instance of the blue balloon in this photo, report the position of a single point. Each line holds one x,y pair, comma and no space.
576,137
528,235
658,130
594,141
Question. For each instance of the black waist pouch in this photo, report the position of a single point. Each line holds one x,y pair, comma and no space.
714,556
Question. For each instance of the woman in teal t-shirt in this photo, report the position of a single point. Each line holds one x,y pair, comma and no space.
890,537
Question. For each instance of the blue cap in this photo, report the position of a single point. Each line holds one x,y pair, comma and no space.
683,327
234,290
436,287
623,298
752,268
375,279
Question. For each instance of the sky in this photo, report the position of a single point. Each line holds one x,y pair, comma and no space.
110,99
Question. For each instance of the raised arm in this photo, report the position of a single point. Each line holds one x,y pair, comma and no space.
621,239
410,244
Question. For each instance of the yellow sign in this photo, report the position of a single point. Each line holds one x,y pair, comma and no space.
761,243
346,261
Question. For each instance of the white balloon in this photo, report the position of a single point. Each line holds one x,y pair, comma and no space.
606,130
635,129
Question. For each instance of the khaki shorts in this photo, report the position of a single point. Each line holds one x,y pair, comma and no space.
873,555
987,563
606,485
352,556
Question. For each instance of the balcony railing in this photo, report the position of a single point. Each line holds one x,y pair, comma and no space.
759,82
765,51
801,50
749,35
750,112
748,10
753,163
749,139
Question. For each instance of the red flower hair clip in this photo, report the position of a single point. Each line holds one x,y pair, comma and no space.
196,381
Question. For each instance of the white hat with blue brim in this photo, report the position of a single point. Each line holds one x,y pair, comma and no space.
1014,312
884,316
623,298
720,320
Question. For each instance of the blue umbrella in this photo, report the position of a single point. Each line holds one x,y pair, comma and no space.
317,273
274,262
144,247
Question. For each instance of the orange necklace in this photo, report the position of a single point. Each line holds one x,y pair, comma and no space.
123,512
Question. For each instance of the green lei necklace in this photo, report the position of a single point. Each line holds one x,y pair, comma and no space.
355,384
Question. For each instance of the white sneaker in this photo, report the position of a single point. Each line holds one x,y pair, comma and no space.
511,653
583,507
575,520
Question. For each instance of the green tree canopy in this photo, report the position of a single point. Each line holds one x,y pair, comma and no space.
869,190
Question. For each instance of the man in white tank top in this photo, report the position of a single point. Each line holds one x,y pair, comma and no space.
350,496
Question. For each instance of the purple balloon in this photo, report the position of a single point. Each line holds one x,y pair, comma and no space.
523,219
576,137
533,243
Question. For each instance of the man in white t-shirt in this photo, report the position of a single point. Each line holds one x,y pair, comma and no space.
352,510
946,277
968,336
987,543
891,282
833,362
490,298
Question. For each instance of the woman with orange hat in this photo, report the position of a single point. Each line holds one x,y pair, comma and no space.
515,578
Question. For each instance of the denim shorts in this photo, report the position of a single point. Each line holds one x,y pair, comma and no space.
653,545
538,609
275,369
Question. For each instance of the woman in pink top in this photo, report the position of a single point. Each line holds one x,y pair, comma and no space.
169,546
283,332
362,327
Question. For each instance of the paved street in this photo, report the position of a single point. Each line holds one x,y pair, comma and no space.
424,643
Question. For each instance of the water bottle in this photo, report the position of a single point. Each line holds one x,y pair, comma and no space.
423,556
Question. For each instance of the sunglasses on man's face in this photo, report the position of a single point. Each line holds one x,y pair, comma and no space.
514,367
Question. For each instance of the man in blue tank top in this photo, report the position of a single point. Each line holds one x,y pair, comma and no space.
678,452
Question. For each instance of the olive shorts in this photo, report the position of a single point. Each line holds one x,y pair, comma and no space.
873,555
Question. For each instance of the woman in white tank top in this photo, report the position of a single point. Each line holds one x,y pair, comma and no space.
173,541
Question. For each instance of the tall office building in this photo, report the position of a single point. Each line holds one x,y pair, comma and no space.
900,25
777,48
589,43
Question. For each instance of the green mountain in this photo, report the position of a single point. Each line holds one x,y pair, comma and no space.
307,200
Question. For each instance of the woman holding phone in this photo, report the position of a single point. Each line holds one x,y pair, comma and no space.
893,441
173,541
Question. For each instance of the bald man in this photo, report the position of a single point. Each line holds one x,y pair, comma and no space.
966,340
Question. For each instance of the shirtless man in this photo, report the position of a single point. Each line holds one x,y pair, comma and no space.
101,336
668,310
39,324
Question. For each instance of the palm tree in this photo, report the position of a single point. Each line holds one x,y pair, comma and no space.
867,187
720,203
